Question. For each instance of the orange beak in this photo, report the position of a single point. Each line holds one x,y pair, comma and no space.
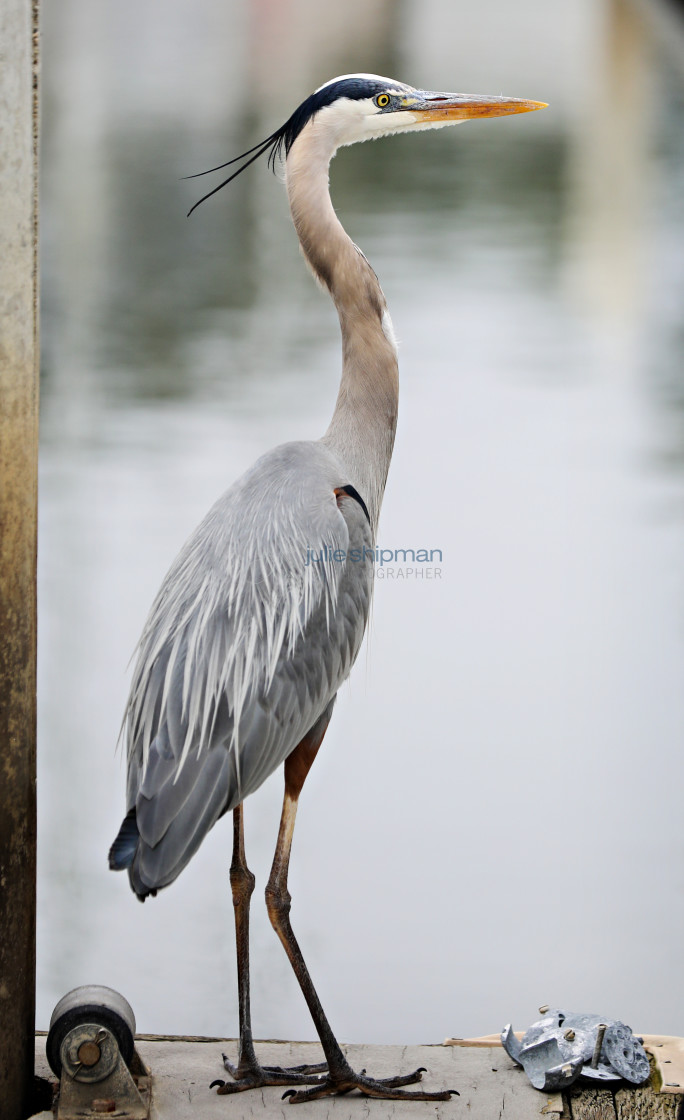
463,106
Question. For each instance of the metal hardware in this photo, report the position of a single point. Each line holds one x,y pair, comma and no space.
90,1047
563,1046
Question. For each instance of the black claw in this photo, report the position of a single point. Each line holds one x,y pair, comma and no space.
421,1069
288,1093
217,1082
225,1057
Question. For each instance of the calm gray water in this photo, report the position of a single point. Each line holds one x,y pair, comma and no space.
495,820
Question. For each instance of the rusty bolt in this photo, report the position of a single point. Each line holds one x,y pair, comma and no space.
602,1027
103,1104
569,1034
89,1054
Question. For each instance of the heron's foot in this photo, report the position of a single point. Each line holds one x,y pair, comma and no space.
254,1076
386,1088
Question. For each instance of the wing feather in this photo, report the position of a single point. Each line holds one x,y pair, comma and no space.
246,644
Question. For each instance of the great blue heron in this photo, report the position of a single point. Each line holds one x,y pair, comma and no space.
246,644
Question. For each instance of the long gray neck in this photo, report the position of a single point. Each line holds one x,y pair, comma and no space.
361,432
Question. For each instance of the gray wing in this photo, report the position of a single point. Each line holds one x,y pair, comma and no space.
255,627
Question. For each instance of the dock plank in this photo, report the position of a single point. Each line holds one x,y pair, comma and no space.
490,1085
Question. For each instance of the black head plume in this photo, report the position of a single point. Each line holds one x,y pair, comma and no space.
273,145
279,142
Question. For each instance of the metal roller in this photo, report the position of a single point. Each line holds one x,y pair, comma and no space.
95,1004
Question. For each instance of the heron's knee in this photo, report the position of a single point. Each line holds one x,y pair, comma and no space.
278,901
242,884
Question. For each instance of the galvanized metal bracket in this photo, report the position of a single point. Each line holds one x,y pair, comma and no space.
566,1045
95,1079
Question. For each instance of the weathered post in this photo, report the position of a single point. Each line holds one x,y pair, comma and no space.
18,486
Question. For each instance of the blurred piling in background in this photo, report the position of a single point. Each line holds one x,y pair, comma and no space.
18,488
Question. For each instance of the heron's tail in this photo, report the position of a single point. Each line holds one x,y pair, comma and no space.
123,852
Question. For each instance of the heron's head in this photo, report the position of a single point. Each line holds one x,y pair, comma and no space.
357,107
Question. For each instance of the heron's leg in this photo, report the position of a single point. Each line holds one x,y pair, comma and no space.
242,885
248,1073
341,1077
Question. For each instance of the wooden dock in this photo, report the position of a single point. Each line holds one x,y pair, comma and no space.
490,1085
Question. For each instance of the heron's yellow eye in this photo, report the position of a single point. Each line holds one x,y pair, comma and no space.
382,100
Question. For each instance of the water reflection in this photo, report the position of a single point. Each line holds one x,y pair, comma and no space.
509,720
